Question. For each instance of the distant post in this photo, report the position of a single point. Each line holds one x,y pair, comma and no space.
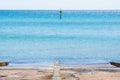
60,13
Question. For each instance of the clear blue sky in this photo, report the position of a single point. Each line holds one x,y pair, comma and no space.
56,4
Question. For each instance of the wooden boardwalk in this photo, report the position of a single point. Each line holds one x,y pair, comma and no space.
56,71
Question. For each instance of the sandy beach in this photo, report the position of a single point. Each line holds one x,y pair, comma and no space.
66,73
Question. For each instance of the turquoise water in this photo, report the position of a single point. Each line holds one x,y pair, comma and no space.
39,37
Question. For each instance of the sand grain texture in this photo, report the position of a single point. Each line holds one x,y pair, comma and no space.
74,73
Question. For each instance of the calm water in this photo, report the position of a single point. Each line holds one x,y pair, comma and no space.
40,37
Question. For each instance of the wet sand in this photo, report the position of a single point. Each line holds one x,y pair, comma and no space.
66,73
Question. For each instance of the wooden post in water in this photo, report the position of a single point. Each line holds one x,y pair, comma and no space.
56,71
60,13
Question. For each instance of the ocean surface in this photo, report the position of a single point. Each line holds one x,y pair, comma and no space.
40,37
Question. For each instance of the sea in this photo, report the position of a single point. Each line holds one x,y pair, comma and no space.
41,37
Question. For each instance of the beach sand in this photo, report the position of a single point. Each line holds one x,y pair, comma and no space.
66,73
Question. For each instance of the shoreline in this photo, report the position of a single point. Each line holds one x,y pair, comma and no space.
66,73
44,67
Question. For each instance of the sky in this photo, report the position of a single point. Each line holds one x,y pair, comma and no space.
57,4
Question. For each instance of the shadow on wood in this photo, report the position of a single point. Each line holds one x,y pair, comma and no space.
117,64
